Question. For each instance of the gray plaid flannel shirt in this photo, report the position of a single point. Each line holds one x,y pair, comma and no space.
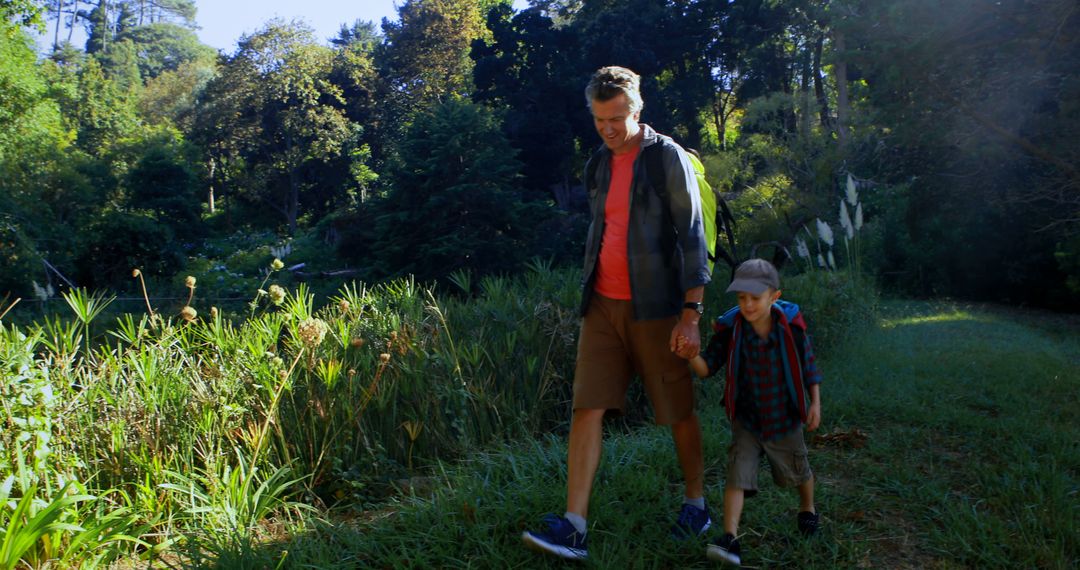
666,258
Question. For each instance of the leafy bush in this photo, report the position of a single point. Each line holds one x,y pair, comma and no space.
122,241
455,202
836,305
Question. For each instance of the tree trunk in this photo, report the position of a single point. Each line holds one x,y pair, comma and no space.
210,197
790,120
718,121
842,106
59,17
819,87
292,205
105,28
74,18
804,88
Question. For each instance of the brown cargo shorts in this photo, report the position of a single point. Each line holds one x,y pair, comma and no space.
787,458
613,347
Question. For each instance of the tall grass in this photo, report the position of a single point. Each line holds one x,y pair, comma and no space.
187,417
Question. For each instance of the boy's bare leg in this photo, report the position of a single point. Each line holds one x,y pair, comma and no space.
806,496
733,505
583,458
687,436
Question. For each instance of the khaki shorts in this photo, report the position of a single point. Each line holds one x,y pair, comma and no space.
612,347
787,458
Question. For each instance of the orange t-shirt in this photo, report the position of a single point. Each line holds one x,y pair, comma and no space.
612,269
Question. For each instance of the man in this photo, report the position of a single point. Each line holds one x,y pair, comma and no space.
645,272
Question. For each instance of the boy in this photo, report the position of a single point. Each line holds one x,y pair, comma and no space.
770,364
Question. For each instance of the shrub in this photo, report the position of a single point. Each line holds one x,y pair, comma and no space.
121,241
836,305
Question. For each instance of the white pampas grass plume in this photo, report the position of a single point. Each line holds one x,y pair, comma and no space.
845,221
820,260
852,193
43,293
824,232
280,251
801,248
858,217
832,260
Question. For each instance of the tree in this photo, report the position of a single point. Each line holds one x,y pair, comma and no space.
162,183
274,114
32,133
523,70
164,46
974,106
424,57
21,13
161,34
104,112
454,204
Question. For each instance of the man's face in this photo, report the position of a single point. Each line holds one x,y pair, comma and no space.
616,125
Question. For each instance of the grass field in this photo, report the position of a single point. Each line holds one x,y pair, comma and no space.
951,439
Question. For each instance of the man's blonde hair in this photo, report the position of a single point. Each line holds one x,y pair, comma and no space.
608,82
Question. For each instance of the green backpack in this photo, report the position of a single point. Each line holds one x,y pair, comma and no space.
714,210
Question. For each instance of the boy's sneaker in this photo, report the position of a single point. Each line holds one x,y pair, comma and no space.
692,522
808,523
558,538
725,550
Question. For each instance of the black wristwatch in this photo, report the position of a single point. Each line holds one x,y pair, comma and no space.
700,308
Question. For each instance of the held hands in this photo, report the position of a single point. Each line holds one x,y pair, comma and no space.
697,363
813,416
685,340
680,343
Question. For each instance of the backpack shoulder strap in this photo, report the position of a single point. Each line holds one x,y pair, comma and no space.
797,325
653,155
590,170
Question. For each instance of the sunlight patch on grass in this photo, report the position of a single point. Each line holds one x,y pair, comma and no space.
957,316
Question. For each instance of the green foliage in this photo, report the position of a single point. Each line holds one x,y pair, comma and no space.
18,257
162,181
164,46
523,68
22,12
455,203
979,140
424,57
837,305
276,121
121,241
29,120
329,403
45,513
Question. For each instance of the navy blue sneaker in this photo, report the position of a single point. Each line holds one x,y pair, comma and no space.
692,522
808,523
725,550
558,538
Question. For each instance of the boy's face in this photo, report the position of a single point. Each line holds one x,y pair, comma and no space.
757,309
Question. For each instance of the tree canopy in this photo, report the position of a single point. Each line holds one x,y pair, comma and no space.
955,121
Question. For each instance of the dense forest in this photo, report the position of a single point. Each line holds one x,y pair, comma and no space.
452,138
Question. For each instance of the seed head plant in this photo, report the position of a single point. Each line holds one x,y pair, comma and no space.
312,332
136,274
276,294
188,313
